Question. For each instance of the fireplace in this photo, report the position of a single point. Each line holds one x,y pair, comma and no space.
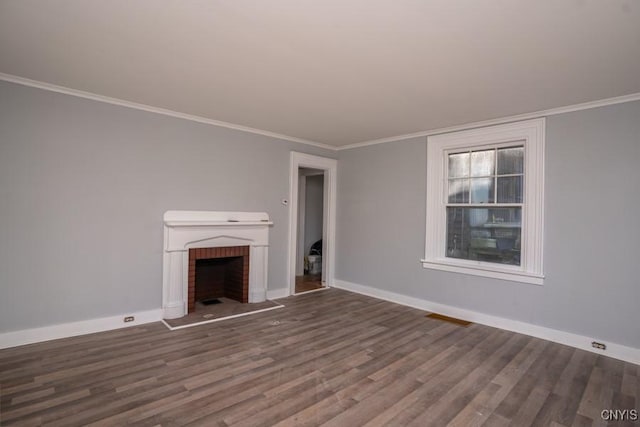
217,273
210,235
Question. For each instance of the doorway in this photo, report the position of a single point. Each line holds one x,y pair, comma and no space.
310,230
312,222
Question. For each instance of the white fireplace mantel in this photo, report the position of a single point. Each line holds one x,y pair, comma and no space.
184,230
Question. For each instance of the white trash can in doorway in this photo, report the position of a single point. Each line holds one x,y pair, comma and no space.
315,264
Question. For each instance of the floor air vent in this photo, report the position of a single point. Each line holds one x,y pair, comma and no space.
444,318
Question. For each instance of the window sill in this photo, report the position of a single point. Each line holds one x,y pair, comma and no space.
484,271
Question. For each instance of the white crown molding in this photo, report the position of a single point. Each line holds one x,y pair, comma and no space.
72,329
502,120
617,351
123,103
151,109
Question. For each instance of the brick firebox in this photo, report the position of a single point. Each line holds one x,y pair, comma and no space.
218,272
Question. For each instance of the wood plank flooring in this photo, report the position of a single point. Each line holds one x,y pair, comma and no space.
308,282
330,358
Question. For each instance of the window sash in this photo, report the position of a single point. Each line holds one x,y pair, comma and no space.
484,233
494,176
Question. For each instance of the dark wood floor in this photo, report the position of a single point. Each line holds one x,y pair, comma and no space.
308,282
329,358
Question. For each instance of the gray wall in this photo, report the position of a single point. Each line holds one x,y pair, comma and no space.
592,230
84,185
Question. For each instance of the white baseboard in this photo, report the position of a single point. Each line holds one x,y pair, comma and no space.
278,293
617,351
65,330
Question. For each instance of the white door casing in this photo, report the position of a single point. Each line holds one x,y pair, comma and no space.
330,168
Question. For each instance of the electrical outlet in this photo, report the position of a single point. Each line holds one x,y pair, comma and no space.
129,319
599,345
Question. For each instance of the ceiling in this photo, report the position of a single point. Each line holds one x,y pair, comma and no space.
336,72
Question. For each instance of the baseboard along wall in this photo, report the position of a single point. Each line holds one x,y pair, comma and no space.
72,329
65,330
617,351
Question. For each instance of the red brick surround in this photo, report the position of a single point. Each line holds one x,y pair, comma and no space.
227,278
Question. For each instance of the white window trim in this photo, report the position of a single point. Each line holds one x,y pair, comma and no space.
531,134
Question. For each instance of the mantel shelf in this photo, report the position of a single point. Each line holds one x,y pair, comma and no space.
187,223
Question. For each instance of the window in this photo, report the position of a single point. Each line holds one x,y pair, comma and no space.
484,204
485,201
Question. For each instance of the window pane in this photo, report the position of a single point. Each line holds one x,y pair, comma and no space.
510,189
510,160
483,163
458,165
484,234
481,190
459,190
